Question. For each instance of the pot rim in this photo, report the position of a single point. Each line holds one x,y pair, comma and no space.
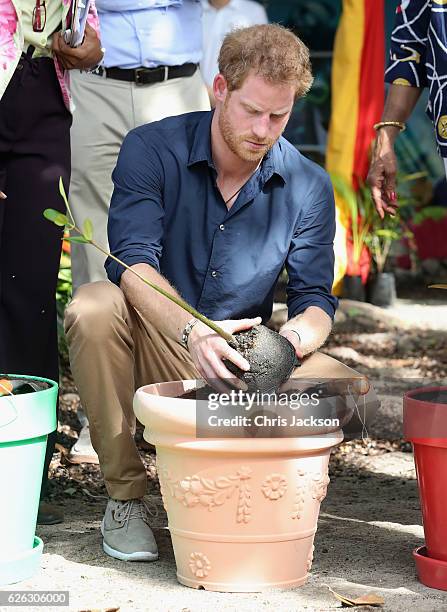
424,420
409,395
170,422
431,572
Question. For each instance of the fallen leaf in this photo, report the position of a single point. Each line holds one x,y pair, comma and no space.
100,610
370,599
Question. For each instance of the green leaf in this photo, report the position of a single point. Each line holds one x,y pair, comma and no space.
87,229
387,233
55,217
62,191
78,239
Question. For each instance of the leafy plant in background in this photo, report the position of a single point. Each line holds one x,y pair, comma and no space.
368,230
413,209
361,214
381,238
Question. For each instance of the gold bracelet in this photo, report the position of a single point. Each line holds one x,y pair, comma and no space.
399,124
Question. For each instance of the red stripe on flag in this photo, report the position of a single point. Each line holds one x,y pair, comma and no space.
371,87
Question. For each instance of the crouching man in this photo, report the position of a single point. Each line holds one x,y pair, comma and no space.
209,205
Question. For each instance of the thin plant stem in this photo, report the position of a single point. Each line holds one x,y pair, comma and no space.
195,313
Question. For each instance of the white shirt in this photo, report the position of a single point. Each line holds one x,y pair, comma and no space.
217,23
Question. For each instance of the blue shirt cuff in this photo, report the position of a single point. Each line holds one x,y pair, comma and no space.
115,270
297,306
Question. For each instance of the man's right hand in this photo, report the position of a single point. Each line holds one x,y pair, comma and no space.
208,350
382,172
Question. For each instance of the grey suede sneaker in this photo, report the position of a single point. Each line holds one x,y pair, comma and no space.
126,532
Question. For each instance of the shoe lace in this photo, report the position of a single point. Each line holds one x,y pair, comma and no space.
135,509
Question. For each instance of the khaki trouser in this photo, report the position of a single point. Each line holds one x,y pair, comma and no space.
113,351
106,110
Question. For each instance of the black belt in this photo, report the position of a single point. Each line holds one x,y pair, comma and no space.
146,76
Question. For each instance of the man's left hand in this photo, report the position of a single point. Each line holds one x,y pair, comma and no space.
293,338
85,56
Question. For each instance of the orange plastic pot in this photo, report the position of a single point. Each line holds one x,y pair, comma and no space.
425,425
242,512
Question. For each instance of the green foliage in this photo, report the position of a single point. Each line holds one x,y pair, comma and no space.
383,233
368,229
55,217
435,213
87,229
361,213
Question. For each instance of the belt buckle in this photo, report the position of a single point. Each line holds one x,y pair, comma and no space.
139,72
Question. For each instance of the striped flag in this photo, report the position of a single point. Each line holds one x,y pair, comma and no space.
357,103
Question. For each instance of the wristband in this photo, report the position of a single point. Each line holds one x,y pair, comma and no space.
187,331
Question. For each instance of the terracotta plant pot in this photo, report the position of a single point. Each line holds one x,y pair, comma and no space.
425,425
242,512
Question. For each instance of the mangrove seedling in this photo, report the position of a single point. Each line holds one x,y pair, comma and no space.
271,356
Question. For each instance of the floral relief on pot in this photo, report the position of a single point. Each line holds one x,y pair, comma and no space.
192,491
274,486
199,564
298,504
318,487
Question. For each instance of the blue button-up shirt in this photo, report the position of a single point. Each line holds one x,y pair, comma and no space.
150,32
167,211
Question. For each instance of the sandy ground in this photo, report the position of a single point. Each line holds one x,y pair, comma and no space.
369,522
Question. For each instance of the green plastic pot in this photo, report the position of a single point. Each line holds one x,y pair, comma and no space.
25,422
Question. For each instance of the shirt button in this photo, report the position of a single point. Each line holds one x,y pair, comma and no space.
222,226
214,273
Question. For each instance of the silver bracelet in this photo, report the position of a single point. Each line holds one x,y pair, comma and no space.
187,331
295,332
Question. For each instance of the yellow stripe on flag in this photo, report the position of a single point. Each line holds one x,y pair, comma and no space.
346,66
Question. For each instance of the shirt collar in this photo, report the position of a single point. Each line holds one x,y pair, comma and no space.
272,163
201,146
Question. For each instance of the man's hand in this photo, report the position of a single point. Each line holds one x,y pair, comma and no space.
382,172
294,339
2,195
208,349
85,56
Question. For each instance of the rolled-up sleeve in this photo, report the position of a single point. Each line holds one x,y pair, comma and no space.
409,44
310,261
135,225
